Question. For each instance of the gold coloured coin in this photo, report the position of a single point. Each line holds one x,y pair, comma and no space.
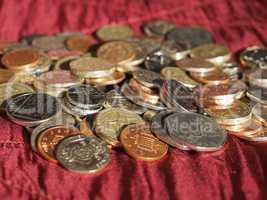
174,73
114,32
114,78
116,52
215,53
108,123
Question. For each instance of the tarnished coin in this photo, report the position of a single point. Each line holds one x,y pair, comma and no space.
83,154
257,94
158,127
174,73
197,131
109,122
238,113
195,65
212,52
91,67
21,59
47,43
116,52
176,95
114,32
254,57
79,43
158,28
193,36
157,60
141,144
115,99
50,138
146,77
214,78
135,98
85,96
115,78
32,108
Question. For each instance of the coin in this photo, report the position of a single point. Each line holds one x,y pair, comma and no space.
50,138
114,32
193,36
236,114
84,128
112,79
257,94
148,115
20,59
158,28
174,73
157,60
195,65
91,67
85,96
139,142
175,49
258,77
159,129
135,98
146,77
215,77
211,52
117,52
32,108
3,45
79,43
197,131
63,63
47,43
139,88
5,75
115,99
140,52
176,95
83,154
254,57
248,128
260,136
259,111
109,122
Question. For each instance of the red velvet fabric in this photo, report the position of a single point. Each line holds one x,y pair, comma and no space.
237,172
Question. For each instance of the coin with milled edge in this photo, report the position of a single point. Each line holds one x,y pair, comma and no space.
138,141
32,108
83,154
157,60
114,32
197,131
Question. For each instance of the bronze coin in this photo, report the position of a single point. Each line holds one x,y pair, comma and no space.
50,138
141,144
79,43
216,77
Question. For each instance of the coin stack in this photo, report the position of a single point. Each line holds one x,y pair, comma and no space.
173,86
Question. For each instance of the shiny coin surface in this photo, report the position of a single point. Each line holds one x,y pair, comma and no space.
254,57
257,94
114,32
139,142
50,138
116,52
115,78
260,136
238,113
195,65
146,77
175,49
158,28
91,67
79,43
47,43
32,108
108,123
258,77
212,52
199,132
21,59
83,154
157,60
193,36
174,73
140,88
85,96
215,77
259,111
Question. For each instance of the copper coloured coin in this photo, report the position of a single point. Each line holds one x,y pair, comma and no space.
195,65
114,78
79,43
50,138
141,144
20,59
216,77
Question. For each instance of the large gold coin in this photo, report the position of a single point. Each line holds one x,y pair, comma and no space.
117,52
89,67
238,113
174,73
114,32
109,122
141,144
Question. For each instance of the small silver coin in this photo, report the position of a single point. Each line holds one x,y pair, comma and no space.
83,154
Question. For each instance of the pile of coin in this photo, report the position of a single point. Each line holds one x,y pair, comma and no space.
174,86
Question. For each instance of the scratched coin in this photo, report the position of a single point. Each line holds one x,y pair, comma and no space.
83,154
